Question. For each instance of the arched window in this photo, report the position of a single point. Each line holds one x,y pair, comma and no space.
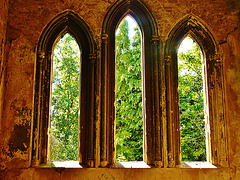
152,147
66,22
191,92
213,94
129,123
64,113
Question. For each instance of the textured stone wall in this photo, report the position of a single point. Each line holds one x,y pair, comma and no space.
26,21
3,62
123,174
232,71
3,28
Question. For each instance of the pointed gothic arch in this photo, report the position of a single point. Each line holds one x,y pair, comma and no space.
66,22
214,91
151,91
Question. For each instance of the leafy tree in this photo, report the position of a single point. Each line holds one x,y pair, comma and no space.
129,125
193,143
65,100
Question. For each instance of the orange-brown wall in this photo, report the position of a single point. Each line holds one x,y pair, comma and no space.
3,28
22,21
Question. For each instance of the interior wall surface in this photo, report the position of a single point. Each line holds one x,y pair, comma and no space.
21,24
3,30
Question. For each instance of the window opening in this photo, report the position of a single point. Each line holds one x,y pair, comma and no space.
129,122
64,114
191,101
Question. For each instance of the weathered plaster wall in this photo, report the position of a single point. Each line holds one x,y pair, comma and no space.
123,174
27,19
3,28
232,69
3,61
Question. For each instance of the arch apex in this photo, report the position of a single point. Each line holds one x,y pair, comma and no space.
197,29
67,21
136,8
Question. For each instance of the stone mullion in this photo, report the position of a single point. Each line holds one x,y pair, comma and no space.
173,134
97,100
176,117
111,100
223,160
206,110
43,106
36,126
148,110
91,144
156,110
212,111
218,126
223,151
103,132
164,115
167,140
170,145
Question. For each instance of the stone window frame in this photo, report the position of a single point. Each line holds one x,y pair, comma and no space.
216,130
153,149
66,22
160,106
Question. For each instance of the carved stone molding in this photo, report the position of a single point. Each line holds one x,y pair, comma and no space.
192,22
171,162
155,39
216,60
103,163
104,36
158,163
92,58
128,1
66,19
41,55
167,60
90,163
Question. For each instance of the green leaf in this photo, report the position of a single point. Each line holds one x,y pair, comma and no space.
190,87
129,125
65,100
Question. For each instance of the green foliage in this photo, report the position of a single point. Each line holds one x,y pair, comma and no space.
65,100
129,125
193,143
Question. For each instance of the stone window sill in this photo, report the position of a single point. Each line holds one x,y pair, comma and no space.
131,164
196,164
